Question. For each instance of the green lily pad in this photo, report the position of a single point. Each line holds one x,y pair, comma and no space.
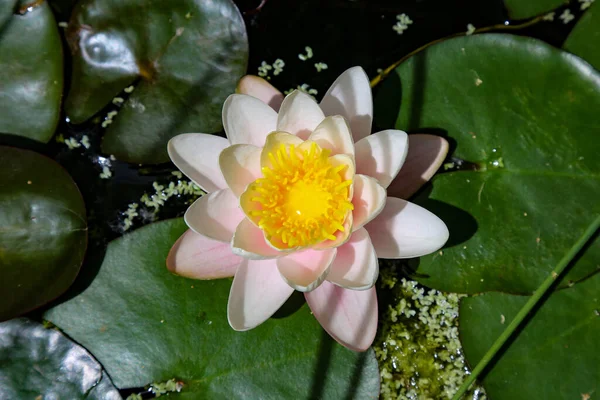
527,114
555,356
172,327
7,8
185,58
31,74
43,231
42,363
521,9
584,39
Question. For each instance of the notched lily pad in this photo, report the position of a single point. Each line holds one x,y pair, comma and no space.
559,346
181,331
521,9
185,58
42,363
43,231
31,72
584,39
527,113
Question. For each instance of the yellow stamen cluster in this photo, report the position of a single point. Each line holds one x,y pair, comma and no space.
302,198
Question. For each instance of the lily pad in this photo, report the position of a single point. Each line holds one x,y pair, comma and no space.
558,346
520,9
184,57
527,114
42,363
180,331
31,73
584,39
43,231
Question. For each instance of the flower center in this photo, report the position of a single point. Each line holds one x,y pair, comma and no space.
302,199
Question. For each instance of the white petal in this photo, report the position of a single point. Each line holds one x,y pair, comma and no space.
256,293
299,115
256,86
426,155
333,133
355,265
247,120
368,200
198,257
349,316
215,215
350,96
249,242
197,156
240,165
306,270
382,154
406,230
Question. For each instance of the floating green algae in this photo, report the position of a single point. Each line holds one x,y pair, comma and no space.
419,353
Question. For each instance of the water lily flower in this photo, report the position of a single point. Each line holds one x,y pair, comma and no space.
297,200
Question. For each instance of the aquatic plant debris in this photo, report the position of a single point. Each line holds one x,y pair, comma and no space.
418,348
402,24
566,16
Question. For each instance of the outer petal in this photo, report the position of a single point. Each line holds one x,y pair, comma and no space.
215,215
197,156
349,316
256,86
382,154
196,256
368,200
273,142
334,134
247,120
249,242
350,96
355,266
426,155
299,114
256,293
240,165
406,230
306,270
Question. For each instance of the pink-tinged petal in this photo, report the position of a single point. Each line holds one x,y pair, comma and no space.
406,230
249,242
355,266
306,270
247,120
334,134
197,156
240,165
256,293
273,144
368,200
382,155
350,96
299,114
215,215
349,316
426,155
198,257
256,86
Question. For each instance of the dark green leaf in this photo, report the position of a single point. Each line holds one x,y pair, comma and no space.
41,363
521,9
584,39
556,355
145,325
31,74
187,55
43,231
528,114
